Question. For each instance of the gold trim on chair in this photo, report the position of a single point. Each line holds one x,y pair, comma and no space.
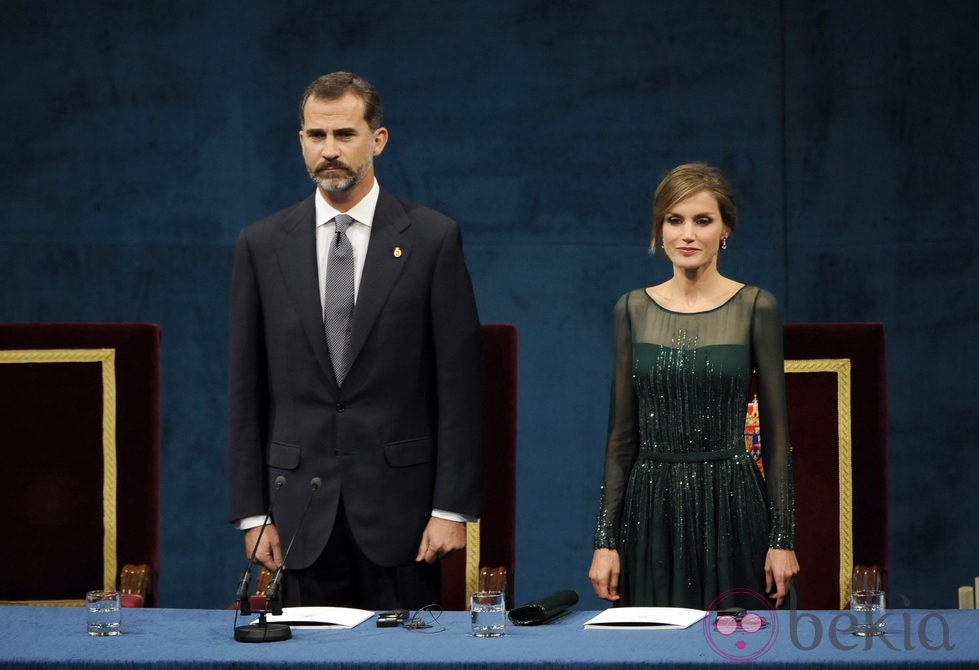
107,359
841,368
472,559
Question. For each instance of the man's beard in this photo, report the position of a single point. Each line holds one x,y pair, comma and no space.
338,183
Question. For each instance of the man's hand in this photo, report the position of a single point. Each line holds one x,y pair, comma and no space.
269,552
441,538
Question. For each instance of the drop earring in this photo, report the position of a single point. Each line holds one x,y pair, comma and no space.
724,243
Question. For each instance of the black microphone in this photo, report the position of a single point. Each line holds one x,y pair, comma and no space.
272,593
241,595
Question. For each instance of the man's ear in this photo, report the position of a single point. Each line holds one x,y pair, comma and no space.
380,140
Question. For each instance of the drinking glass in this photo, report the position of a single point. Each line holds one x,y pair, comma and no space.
488,612
867,600
103,611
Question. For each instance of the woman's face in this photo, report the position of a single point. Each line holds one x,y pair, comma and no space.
692,231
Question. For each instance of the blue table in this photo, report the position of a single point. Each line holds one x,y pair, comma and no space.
48,637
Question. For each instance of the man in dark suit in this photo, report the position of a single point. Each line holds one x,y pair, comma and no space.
391,419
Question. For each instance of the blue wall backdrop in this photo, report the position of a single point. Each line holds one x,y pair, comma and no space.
138,137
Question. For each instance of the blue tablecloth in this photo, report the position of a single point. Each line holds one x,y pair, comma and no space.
46,637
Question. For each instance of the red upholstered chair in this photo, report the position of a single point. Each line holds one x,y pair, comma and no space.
491,542
79,406
134,584
836,391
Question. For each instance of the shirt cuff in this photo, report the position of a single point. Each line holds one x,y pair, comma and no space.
454,516
249,522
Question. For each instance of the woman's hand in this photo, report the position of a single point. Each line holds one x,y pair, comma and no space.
780,567
604,573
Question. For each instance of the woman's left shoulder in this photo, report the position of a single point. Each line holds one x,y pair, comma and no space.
761,302
758,295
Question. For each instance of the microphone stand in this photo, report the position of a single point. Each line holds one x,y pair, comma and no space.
262,630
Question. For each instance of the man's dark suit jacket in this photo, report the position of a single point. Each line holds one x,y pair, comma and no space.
405,434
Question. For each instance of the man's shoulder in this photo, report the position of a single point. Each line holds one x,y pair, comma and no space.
395,208
295,212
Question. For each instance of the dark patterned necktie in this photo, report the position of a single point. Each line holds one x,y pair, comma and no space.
339,308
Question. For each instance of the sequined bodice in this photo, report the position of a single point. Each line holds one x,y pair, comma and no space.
691,399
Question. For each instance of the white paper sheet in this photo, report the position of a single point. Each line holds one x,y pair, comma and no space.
320,617
645,618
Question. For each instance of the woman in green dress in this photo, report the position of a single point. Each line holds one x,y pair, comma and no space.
685,515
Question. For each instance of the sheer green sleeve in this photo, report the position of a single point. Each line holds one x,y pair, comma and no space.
769,362
623,432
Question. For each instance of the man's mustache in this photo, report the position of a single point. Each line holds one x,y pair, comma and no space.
332,165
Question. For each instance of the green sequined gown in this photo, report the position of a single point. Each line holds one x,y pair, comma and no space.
682,501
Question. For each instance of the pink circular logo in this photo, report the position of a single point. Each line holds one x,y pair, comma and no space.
741,634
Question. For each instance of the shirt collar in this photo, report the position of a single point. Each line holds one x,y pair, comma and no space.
362,212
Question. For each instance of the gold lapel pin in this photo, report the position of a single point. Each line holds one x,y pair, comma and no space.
397,252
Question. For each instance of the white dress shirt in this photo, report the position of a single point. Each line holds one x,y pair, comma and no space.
358,232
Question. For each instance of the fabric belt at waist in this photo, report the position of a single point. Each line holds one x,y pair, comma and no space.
694,456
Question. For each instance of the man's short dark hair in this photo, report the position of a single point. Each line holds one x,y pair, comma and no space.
335,85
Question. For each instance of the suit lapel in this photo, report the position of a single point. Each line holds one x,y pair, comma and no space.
387,254
296,255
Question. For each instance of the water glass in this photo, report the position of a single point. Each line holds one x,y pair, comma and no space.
488,611
104,613
869,608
